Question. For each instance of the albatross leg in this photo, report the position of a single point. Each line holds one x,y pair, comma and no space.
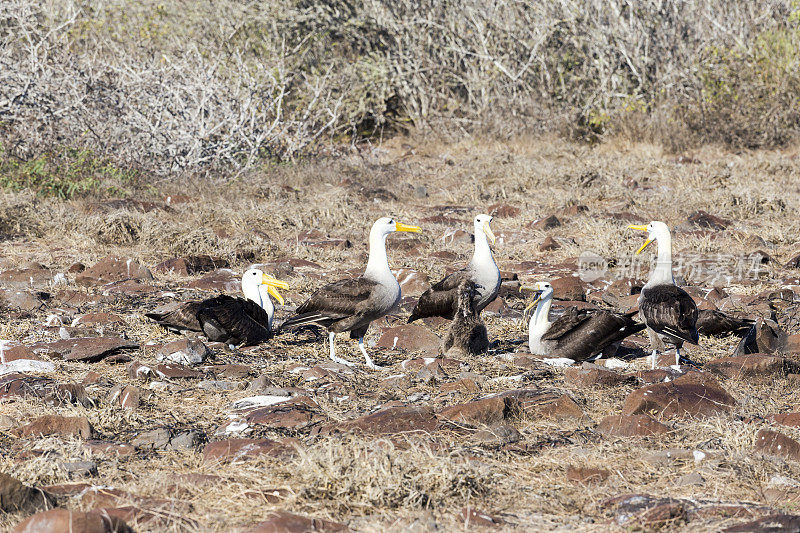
653,359
370,364
331,338
677,356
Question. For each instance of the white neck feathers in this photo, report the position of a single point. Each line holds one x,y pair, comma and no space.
483,252
378,264
539,323
662,273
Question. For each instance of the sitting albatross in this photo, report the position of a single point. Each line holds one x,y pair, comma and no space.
578,334
467,333
668,311
232,320
351,304
441,298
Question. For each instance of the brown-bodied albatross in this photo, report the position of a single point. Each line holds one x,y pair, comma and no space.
578,334
441,298
668,311
232,320
352,304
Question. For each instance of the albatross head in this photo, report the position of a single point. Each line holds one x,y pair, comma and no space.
543,290
482,226
655,231
386,225
253,279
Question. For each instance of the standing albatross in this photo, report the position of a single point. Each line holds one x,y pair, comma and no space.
232,320
668,311
441,299
352,304
578,334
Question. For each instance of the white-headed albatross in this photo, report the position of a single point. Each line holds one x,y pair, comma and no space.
441,298
232,320
352,304
668,311
578,334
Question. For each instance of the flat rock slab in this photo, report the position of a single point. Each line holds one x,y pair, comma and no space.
769,524
485,412
219,280
753,365
591,375
786,419
774,443
77,426
631,426
226,451
694,394
297,413
17,497
535,403
23,386
87,349
113,268
283,522
411,338
389,421
57,520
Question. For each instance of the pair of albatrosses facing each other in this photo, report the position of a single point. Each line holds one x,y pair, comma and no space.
668,312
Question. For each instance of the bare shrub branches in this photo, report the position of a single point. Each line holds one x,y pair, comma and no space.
171,86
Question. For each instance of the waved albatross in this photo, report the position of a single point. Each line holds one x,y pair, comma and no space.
578,334
467,333
668,311
232,320
352,304
441,298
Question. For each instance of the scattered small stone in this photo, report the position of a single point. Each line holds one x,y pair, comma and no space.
80,469
167,439
774,443
587,474
77,426
471,517
630,426
184,351
548,222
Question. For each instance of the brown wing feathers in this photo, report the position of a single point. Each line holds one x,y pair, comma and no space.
669,309
441,299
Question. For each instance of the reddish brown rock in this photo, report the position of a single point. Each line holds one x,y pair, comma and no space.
23,386
176,371
586,474
77,426
23,301
471,518
297,413
694,394
786,419
411,338
548,222
110,449
465,385
62,520
223,280
184,351
389,421
534,403
112,268
549,245
191,264
445,364
774,523
702,219
16,497
227,451
503,210
569,288
26,278
412,282
630,426
774,443
12,353
487,412
93,349
126,396
283,522
590,375
752,366
98,319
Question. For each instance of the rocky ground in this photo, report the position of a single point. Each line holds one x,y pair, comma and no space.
110,420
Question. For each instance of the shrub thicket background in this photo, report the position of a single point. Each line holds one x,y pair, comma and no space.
200,85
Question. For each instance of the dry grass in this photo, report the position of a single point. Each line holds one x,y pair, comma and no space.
377,485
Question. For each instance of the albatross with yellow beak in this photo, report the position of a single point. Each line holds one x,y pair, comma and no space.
578,334
668,311
352,304
441,299
232,320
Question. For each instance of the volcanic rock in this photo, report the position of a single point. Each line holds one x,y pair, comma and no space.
694,394
630,426
112,268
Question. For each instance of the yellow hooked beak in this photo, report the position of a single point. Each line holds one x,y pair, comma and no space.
272,285
405,227
646,243
536,297
488,231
